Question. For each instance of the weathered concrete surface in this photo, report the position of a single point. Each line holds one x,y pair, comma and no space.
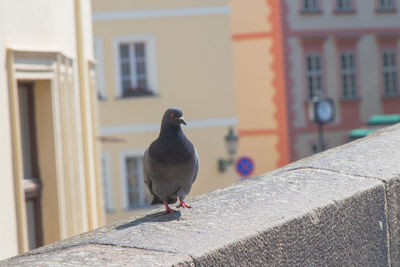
338,208
100,255
377,156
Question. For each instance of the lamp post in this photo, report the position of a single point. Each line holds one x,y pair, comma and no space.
321,112
231,142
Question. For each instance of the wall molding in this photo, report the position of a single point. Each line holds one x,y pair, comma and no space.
394,31
162,13
155,127
251,35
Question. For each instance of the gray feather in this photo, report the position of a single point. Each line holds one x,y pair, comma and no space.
170,164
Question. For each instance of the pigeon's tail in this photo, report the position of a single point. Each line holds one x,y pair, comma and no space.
157,200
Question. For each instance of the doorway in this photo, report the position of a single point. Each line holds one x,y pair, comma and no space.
30,157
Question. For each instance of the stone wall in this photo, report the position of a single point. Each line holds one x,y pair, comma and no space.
338,208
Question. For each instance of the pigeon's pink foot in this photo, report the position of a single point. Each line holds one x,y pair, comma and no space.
167,208
182,204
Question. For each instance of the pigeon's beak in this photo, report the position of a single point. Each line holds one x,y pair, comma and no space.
181,120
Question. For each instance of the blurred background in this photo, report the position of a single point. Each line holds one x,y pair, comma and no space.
261,83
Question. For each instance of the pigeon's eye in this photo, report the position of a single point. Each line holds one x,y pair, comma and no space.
171,114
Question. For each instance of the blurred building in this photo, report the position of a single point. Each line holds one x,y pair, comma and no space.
153,55
260,84
48,158
346,50
287,52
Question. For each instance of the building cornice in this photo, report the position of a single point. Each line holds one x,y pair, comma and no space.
154,127
161,13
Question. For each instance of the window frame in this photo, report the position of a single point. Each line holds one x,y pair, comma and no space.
124,179
151,68
347,72
313,73
380,8
392,69
107,182
317,9
347,9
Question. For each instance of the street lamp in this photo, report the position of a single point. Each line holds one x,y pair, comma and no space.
231,142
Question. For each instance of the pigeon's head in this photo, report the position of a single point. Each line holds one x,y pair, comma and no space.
173,118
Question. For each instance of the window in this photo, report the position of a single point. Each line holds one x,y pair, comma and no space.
98,54
389,69
133,69
107,185
310,5
385,5
313,74
344,5
137,194
348,75
135,66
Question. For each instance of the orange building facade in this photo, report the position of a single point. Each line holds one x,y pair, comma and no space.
259,68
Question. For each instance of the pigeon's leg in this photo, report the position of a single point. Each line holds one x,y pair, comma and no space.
181,196
167,208
182,204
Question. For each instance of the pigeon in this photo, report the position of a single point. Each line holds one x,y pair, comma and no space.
170,163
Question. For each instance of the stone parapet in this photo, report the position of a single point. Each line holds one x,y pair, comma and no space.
340,207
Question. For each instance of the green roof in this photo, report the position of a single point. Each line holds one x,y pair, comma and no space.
384,119
359,133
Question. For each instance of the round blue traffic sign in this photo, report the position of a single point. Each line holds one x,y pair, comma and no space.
244,166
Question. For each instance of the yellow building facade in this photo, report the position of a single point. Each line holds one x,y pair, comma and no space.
153,55
49,188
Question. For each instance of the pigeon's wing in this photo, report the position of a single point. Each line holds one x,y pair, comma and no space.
147,179
149,182
197,165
